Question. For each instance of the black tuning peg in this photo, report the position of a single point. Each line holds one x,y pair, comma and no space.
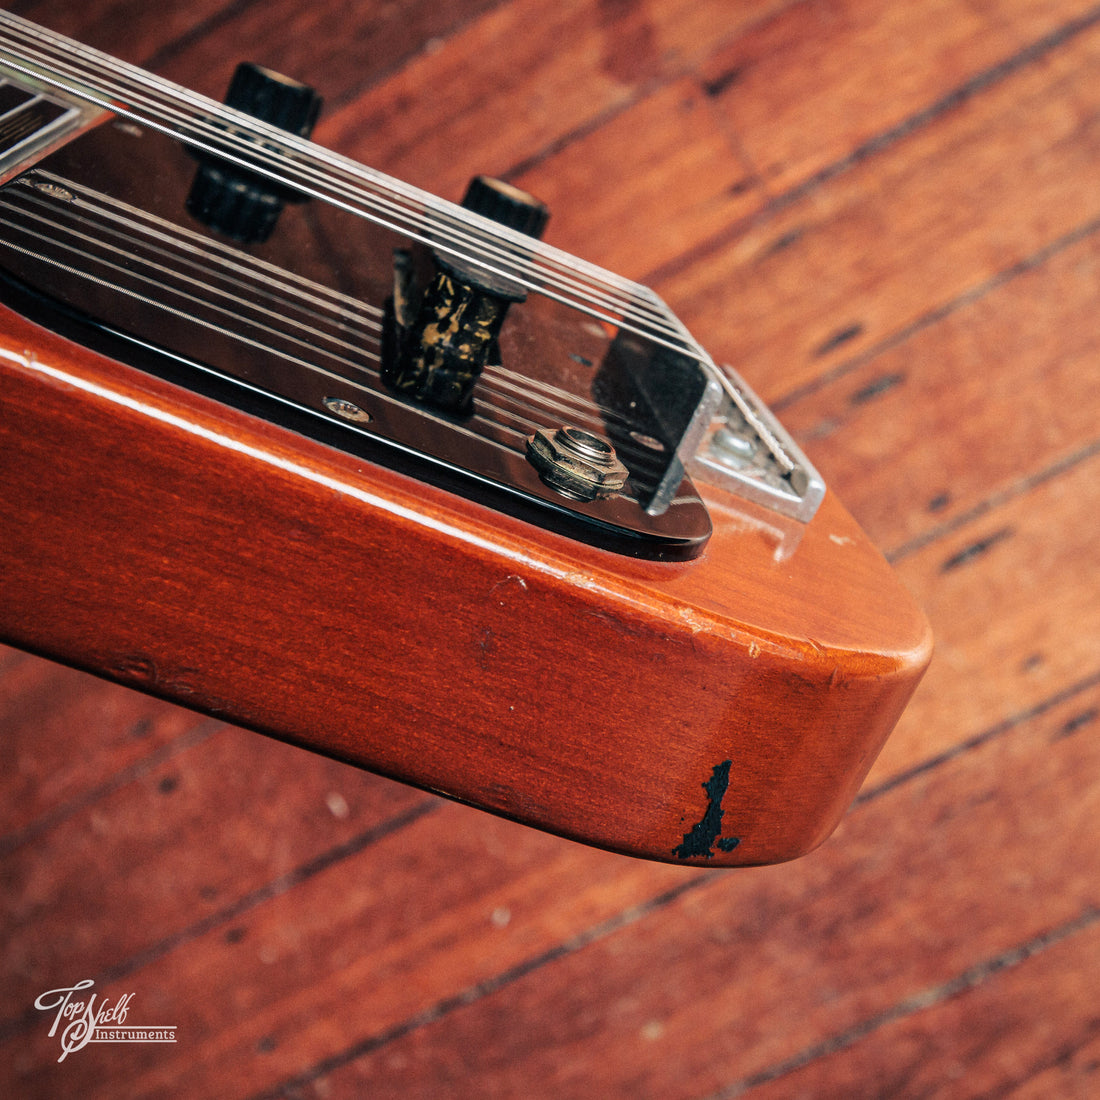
506,205
230,199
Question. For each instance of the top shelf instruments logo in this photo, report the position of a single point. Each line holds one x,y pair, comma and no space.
83,1021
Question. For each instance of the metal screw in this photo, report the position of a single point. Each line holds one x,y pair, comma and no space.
732,447
576,463
347,409
52,190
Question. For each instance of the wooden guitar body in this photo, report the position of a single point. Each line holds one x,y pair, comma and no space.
720,711
197,553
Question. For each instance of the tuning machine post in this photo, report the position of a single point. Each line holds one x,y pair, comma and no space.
226,196
439,339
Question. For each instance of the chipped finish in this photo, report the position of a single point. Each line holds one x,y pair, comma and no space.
706,833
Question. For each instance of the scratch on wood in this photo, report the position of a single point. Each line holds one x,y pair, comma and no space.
785,241
723,81
876,388
1077,722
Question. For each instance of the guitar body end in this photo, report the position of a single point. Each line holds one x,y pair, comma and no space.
722,711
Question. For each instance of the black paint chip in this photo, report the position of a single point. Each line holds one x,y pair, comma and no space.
705,833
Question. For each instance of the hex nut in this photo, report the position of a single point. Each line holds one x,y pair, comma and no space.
576,463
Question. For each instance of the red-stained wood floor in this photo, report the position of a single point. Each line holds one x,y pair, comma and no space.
887,217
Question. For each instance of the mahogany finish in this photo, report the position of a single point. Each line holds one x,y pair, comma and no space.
886,217
217,561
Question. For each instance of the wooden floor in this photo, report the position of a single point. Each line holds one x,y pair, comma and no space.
887,216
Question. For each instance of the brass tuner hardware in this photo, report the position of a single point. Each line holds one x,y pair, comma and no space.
442,339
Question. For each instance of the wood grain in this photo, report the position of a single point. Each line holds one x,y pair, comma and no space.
168,543
885,216
41,704
875,424
771,960
924,203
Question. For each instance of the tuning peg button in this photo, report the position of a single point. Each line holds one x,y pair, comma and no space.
274,98
232,200
506,205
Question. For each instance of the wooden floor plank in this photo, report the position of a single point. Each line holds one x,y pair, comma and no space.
198,44
46,710
619,191
978,575
867,253
302,961
131,30
724,986
441,119
877,429
253,812
977,1036
338,55
821,80
1000,592
887,217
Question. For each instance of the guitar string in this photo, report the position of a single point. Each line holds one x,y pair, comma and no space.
308,297
235,335
99,63
93,203
81,273
87,199
521,386
250,304
281,146
522,410
197,254
626,314
452,215
209,288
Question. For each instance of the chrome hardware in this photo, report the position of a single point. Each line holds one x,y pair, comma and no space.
347,409
576,463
